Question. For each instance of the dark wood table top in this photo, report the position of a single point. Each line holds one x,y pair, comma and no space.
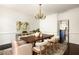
32,38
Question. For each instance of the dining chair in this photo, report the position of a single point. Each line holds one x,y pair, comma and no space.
40,48
21,42
25,49
54,43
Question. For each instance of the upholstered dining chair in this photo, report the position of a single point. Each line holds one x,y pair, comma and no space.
54,43
25,49
40,48
57,44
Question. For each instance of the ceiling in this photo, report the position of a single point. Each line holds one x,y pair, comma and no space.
30,9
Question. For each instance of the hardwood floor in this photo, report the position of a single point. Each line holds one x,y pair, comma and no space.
5,46
73,49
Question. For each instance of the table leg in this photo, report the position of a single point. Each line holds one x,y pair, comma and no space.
34,44
42,40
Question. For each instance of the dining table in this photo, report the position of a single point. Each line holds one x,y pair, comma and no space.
33,39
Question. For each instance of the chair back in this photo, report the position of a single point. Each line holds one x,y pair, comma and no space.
25,49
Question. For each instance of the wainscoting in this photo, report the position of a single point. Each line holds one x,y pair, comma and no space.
74,37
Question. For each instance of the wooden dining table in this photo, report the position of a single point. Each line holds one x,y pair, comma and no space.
33,39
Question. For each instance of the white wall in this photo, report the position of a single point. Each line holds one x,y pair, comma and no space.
49,25
73,16
8,20
9,17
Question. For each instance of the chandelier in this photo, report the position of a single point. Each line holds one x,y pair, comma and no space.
40,14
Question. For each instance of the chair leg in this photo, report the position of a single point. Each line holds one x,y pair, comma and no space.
46,50
40,50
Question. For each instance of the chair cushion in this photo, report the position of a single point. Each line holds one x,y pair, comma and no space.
41,43
38,49
51,40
